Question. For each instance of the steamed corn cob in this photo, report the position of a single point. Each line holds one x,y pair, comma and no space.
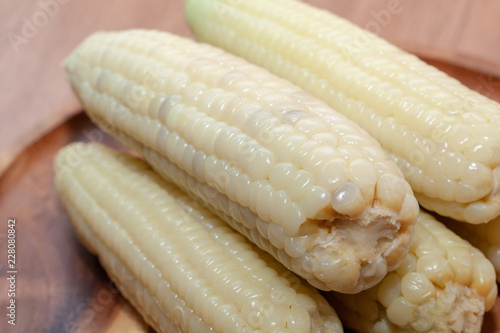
179,265
444,136
443,285
319,194
486,237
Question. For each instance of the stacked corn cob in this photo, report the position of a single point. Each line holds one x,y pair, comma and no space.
443,285
316,192
180,266
444,136
186,270
286,171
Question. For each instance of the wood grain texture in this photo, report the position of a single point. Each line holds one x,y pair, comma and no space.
35,97
60,286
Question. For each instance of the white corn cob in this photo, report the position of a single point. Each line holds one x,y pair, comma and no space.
444,136
486,237
180,266
443,285
319,194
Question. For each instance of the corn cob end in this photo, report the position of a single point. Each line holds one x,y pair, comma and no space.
443,285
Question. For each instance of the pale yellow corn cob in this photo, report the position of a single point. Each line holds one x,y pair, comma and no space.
444,136
486,237
180,266
443,285
320,195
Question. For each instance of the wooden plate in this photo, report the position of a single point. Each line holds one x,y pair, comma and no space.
60,286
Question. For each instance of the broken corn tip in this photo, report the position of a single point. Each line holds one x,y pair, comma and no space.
443,284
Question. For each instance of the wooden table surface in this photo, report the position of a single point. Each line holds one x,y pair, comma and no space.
35,99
